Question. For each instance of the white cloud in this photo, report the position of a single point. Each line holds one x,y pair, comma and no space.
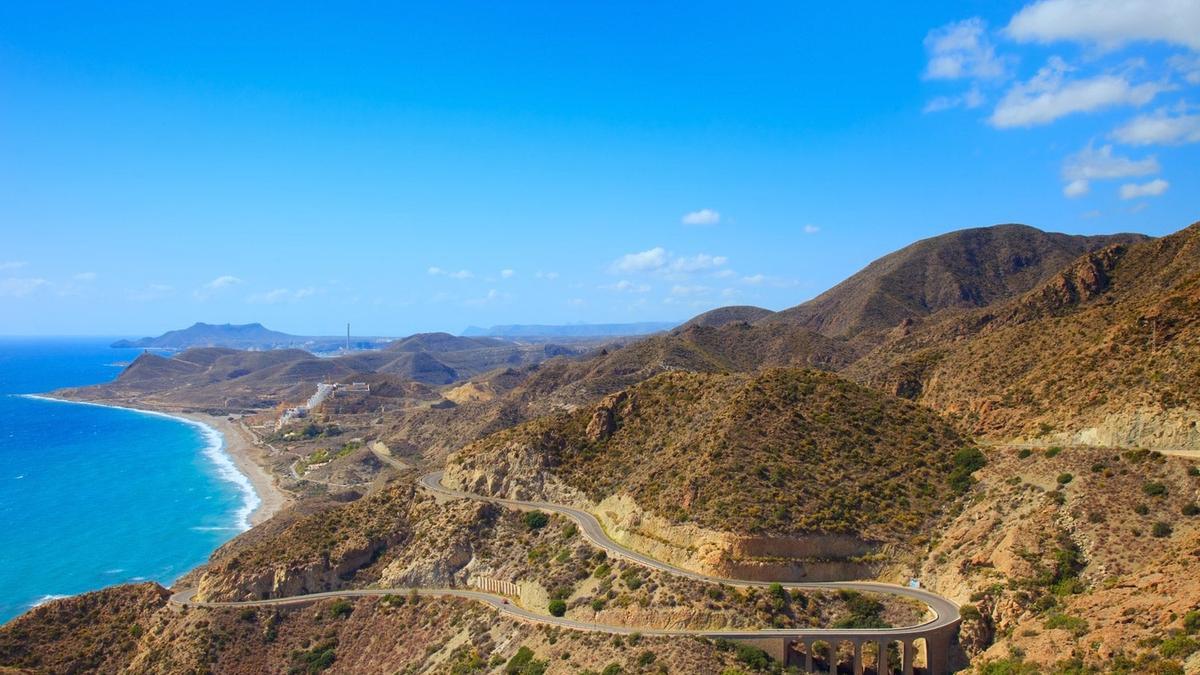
754,279
507,274
1154,188
811,229
971,99
697,263
1187,65
224,281
1108,24
626,286
1160,128
961,50
12,265
1049,95
576,302
701,217
85,276
644,261
216,286
548,276
17,287
1076,188
1092,164
439,272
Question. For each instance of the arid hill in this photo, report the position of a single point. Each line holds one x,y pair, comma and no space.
228,379
803,463
962,269
1105,352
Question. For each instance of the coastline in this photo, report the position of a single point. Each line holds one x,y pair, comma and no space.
237,457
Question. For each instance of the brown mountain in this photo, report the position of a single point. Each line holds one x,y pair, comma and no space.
962,269
1103,352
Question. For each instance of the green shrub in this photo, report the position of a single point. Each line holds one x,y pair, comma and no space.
1194,470
1053,452
1191,621
557,607
1024,453
1178,647
1160,530
523,663
1064,478
1154,489
646,658
597,604
536,520
1141,509
611,669
1066,622
1190,509
753,657
341,609
969,613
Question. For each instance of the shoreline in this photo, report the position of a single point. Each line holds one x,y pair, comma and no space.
237,457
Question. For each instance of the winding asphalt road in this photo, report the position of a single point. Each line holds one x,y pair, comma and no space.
945,613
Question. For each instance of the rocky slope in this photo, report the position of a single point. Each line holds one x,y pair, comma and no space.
1106,352
789,465
1076,555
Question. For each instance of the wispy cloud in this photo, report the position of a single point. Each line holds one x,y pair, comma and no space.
460,274
962,50
1108,25
85,277
1050,95
215,286
1153,188
659,261
701,217
9,265
1101,164
626,286
20,287
507,274
811,229
1160,128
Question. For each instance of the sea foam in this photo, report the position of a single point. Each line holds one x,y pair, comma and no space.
214,451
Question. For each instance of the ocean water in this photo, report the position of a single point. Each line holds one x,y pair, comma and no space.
92,496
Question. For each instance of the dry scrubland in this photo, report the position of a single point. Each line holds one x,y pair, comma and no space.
1070,555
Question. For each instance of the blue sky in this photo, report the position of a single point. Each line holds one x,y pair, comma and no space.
435,166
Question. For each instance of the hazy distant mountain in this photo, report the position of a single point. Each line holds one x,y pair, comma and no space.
572,330
244,336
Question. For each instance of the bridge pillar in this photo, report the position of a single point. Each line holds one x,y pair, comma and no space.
906,665
808,659
858,657
881,657
937,654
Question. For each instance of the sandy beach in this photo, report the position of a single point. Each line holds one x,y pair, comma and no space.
250,460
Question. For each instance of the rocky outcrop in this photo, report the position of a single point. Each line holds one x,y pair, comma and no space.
605,417
326,574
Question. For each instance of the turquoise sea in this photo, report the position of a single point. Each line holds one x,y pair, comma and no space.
92,496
